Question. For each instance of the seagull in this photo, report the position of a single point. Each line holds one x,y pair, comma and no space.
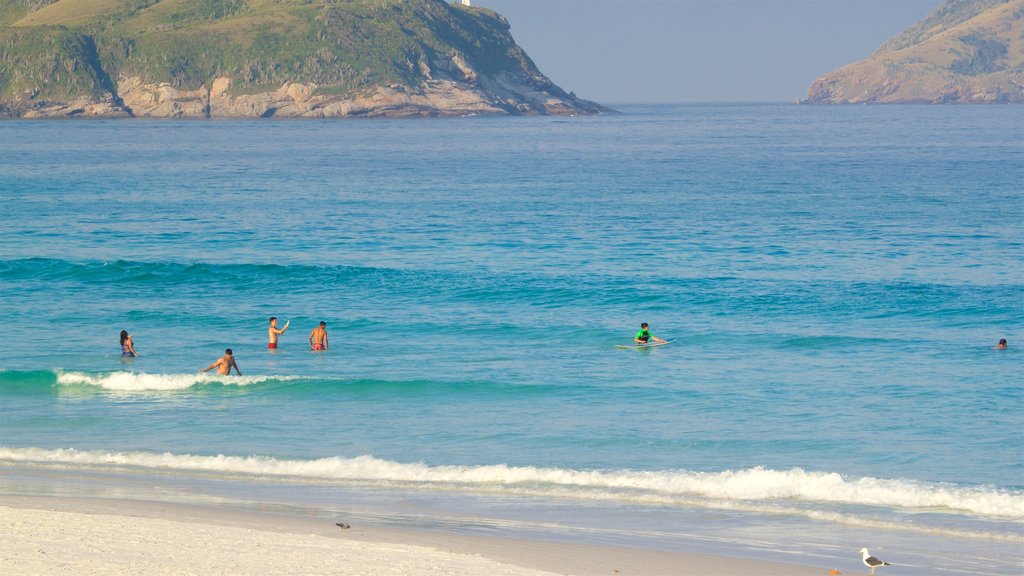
870,561
342,525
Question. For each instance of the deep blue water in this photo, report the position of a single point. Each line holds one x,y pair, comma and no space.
835,278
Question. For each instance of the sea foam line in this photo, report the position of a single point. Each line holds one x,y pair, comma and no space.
141,381
749,485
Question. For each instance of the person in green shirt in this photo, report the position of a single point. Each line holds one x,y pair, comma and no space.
644,335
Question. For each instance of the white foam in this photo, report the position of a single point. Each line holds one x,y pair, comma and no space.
142,381
741,488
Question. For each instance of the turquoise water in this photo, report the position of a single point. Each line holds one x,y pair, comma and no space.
835,279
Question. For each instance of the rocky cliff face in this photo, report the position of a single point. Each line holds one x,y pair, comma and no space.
267,58
966,51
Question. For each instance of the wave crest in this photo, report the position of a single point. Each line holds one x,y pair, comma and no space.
142,381
666,487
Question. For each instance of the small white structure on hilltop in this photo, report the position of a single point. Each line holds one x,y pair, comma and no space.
466,3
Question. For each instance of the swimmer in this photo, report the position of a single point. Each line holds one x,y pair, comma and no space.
273,332
224,364
644,335
318,337
1001,345
127,346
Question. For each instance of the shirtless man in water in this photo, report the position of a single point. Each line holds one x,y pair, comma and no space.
273,332
318,337
224,364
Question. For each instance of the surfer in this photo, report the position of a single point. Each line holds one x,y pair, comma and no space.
224,364
644,335
318,337
1001,345
127,347
273,332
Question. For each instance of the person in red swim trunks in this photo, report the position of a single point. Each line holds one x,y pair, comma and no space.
318,337
273,332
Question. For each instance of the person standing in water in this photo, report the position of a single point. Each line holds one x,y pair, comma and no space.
1001,345
127,346
318,337
644,335
273,332
224,364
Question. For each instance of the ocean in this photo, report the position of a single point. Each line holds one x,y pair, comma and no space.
835,279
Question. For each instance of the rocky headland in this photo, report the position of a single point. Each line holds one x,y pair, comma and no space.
964,52
267,58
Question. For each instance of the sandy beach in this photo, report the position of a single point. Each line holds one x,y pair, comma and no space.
93,536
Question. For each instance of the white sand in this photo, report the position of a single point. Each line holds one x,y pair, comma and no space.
77,536
50,542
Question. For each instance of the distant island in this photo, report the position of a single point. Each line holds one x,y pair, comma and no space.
965,52
267,58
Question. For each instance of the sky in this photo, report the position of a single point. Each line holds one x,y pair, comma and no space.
646,51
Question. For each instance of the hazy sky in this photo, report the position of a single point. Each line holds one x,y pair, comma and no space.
620,51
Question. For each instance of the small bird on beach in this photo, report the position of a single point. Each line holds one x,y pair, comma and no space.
342,525
870,561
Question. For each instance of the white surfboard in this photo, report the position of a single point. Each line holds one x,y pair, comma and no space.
651,345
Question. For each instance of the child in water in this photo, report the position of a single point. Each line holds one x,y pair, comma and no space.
644,335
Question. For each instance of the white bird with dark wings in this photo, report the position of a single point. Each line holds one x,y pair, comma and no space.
870,561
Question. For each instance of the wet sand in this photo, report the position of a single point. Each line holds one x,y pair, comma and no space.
105,536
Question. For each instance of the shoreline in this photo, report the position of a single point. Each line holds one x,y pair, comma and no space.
540,535
108,536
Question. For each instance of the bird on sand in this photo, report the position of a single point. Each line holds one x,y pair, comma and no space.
870,561
342,525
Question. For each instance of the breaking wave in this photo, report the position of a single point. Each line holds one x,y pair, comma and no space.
731,488
142,381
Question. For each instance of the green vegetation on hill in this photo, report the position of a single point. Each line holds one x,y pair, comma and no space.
13,10
986,52
62,62
68,48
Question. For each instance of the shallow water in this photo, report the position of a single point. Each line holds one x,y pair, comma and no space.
835,278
